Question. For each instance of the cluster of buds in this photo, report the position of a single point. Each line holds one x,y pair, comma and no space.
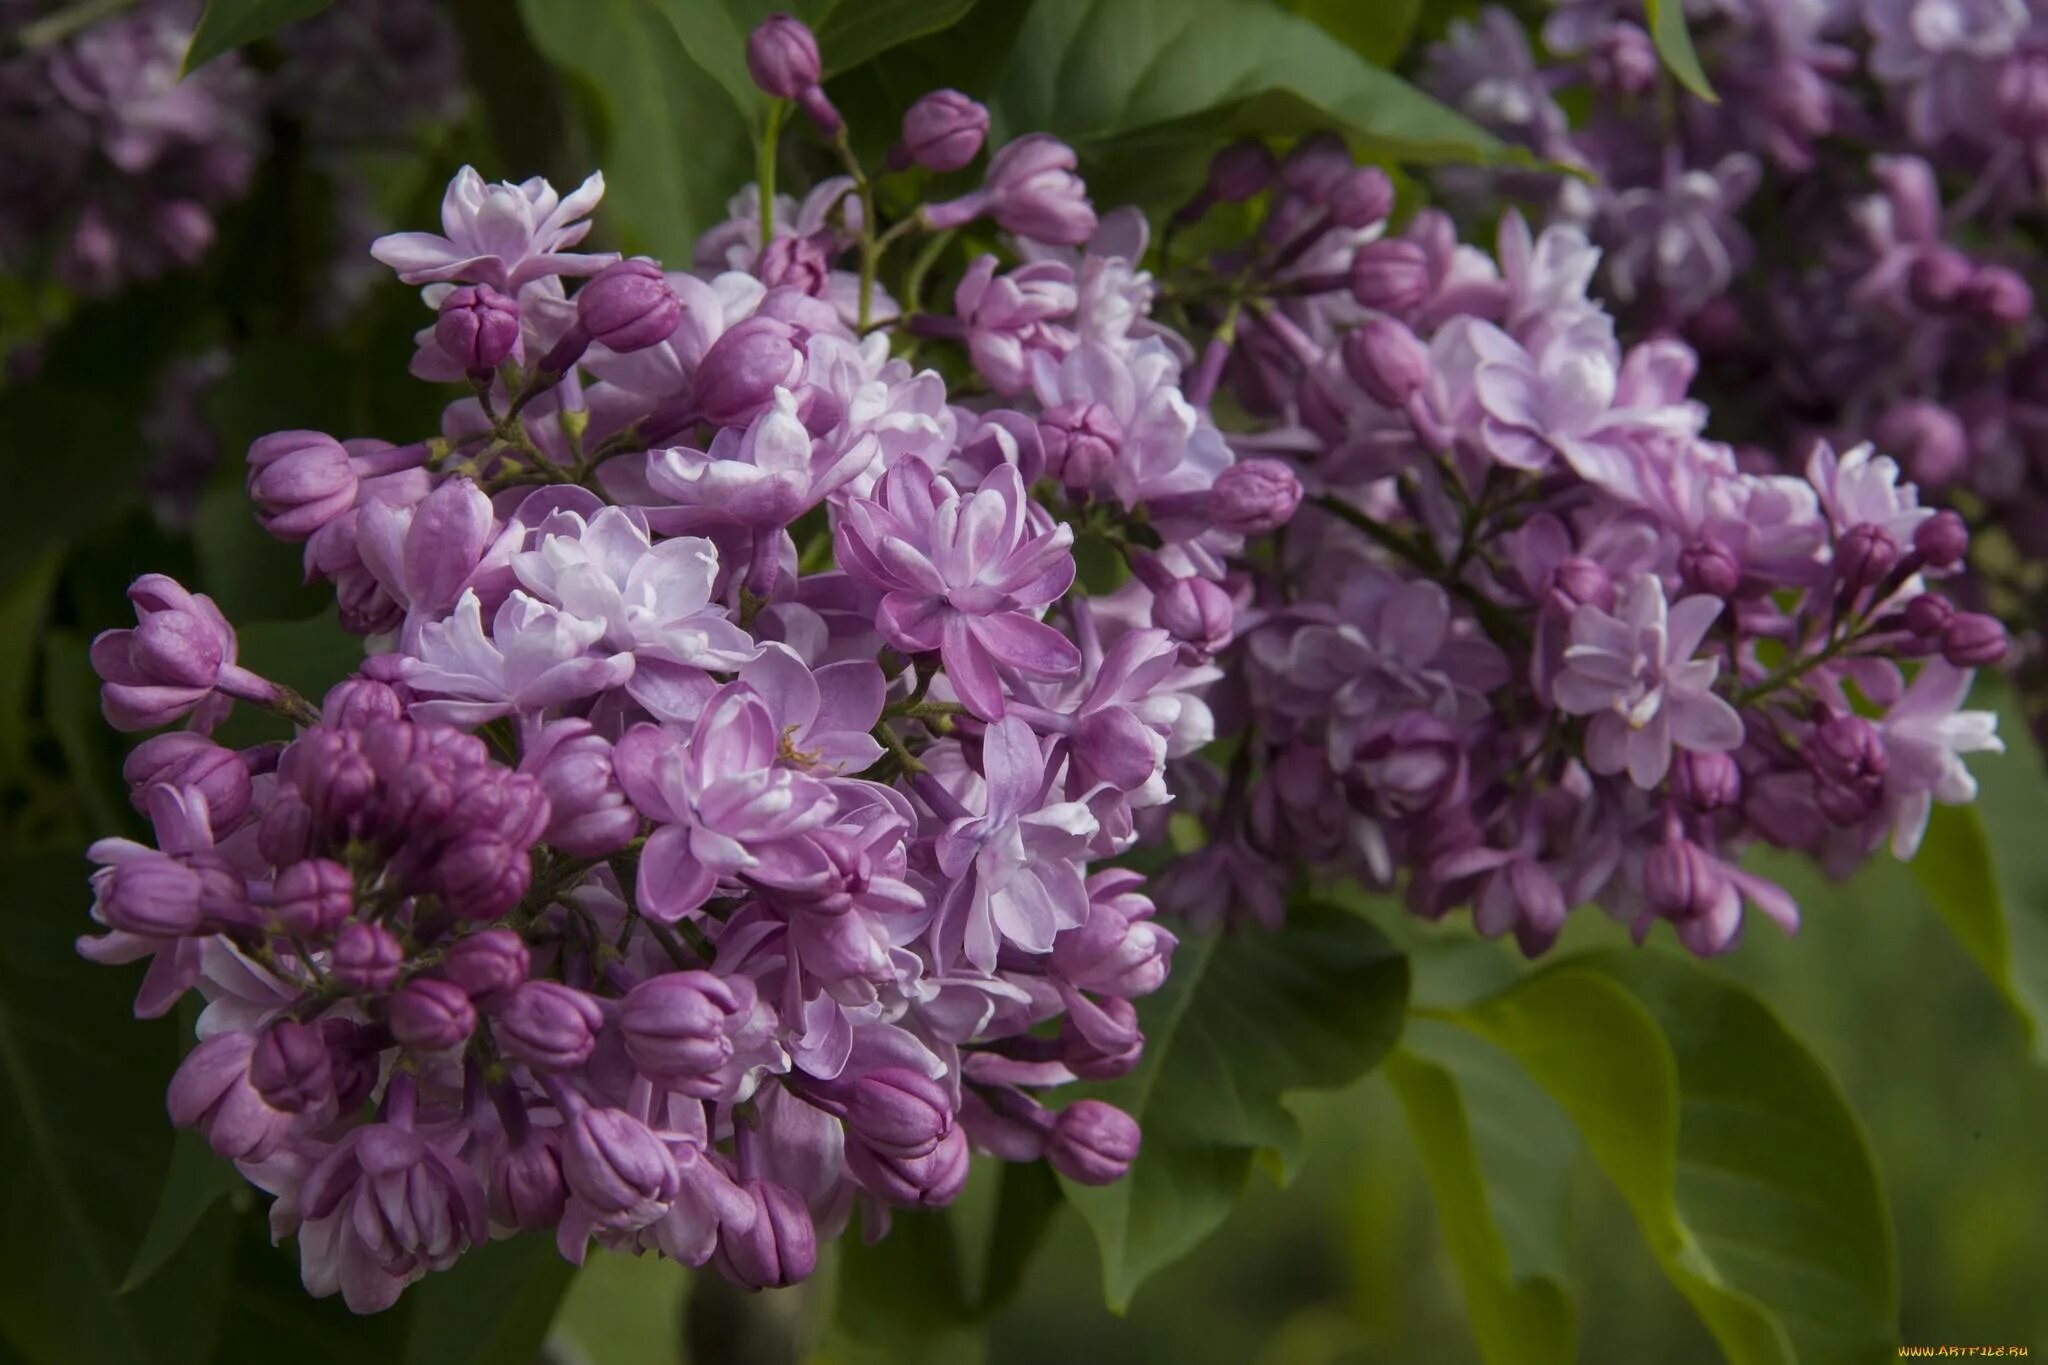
712,846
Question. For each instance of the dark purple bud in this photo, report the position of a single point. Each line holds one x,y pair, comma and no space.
613,1163
1973,640
1081,442
1197,613
481,876
1704,781
1093,1143
357,703
2023,96
777,1247
331,775
782,56
431,1015
1928,616
527,1188
172,660
737,379
1254,496
1707,566
1240,171
1682,881
211,1092
1111,1047
179,649
2000,295
1942,540
1390,275
488,964
312,898
1846,756
299,481
291,1069
931,1181
477,328
194,762
1361,197
1864,554
1313,168
548,1026
1939,276
1579,582
1032,191
677,1027
1929,439
152,895
355,1055
629,306
895,1110
1388,361
285,833
366,957
942,131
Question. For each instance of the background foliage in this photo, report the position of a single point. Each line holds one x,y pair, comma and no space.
1623,1156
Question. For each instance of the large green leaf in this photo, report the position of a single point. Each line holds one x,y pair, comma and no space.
494,1305
622,1310
1096,71
86,1142
675,145
1378,31
1499,1158
196,1181
851,32
1955,869
1243,1020
228,24
1730,1142
1674,45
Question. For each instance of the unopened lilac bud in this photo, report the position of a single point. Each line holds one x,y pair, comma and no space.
1939,276
477,328
194,762
1081,442
1929,439
1682,881
1254,496
1388,361
1031,190
178,649
1110,1047
548,1026
1578,582
931,1181
153,896
431,1015
588,814
1973,640
357,703
1710,567
2023,96
896,1111
1864,554
1197,613
285,833
1361,197
1240,171
2000,295
1314,166
777,1247
1847,759
798,263
481,876
1706,781
488,964
623,1171
1112,955
526,1184
211,1092
782,56
737,379
366,957
1942,540
291,1068
942,131
355,1054
1928,616
629,306
312,898
1390,275
1093,1143
677,1026
299,481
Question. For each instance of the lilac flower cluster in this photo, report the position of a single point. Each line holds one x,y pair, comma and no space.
1848,236
712,844
1536,641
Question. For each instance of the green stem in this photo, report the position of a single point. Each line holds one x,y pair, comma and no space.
927,256
764,168
1796,670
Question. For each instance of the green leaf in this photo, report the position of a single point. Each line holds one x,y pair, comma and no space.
248,573
674,143
1499,1158
494,1305
1674,45
22,604
906,1290
854,32
71,692
1097,71
1732,1145
1378,31
1243,1020
82,1125
269,1317
1954,868
625,1309
197,1180
1027,1201
228,24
